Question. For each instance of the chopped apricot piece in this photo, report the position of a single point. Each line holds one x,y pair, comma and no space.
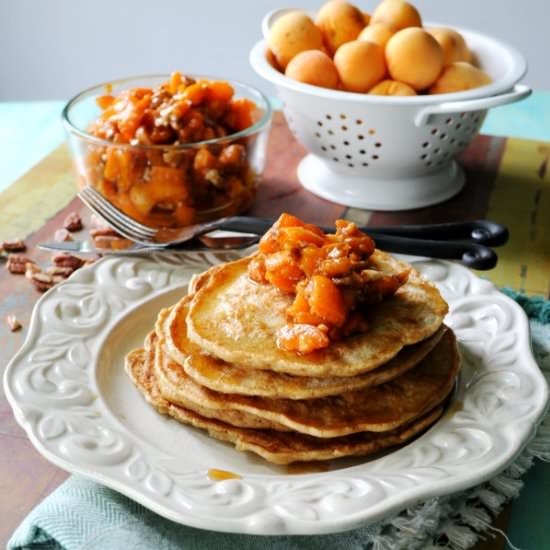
303,338
326,301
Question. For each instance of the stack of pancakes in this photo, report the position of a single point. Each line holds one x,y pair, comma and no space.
212,361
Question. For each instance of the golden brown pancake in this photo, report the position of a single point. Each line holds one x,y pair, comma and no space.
237,320
175,386
378,408
223,377
274,446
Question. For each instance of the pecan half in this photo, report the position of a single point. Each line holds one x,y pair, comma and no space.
64,259
73,222
14,246
17,264
42,281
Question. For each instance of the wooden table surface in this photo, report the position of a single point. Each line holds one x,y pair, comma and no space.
35,206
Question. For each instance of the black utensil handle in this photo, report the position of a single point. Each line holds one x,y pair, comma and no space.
480,231
473,255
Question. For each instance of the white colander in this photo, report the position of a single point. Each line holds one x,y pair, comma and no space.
391,153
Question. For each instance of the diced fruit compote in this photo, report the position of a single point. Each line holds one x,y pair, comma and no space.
329,275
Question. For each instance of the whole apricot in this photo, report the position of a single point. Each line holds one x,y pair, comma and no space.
391,87
453,45
458,77
396,14
377,33
360,65
340,22
414,57
291,34
313,67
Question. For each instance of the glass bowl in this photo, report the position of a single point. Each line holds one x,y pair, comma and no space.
169,185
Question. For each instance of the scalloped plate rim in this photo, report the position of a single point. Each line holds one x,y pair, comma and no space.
352,520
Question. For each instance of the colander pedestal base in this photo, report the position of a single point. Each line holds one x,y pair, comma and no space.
380,193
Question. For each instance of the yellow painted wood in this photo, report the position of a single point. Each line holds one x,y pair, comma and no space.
37,196
521,200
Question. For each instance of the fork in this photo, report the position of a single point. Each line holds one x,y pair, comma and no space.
392,239
479,231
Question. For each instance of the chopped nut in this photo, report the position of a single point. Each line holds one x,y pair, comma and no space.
62,235
104,231
13,323
30,269
17,264
73,222
14,246
214,177
59,271
42,281
64,259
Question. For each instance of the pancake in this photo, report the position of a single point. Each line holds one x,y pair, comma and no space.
377,409
226,378
274,446
175,386
237,320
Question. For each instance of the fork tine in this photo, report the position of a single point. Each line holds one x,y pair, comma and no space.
114,222
116,213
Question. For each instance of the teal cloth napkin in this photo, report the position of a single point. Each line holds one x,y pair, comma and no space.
82,515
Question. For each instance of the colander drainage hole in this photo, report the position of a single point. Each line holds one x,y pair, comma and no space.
351,165
362,151
452,141
434,131
328,117
372,131
330,133
335,159
458,126
358,122
323,148
425,145
449,121
317,134
319,123
378,144
348,157
346,143
360,136
343,116
437,150
375,157
424,156
443,136
344,128
333,147
365,164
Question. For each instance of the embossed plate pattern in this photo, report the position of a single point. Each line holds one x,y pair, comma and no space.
69,392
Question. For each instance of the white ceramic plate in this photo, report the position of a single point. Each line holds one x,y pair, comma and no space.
69,391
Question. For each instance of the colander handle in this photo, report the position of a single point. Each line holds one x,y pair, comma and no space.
271,17
519,91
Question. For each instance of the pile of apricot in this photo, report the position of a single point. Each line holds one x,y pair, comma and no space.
385,53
